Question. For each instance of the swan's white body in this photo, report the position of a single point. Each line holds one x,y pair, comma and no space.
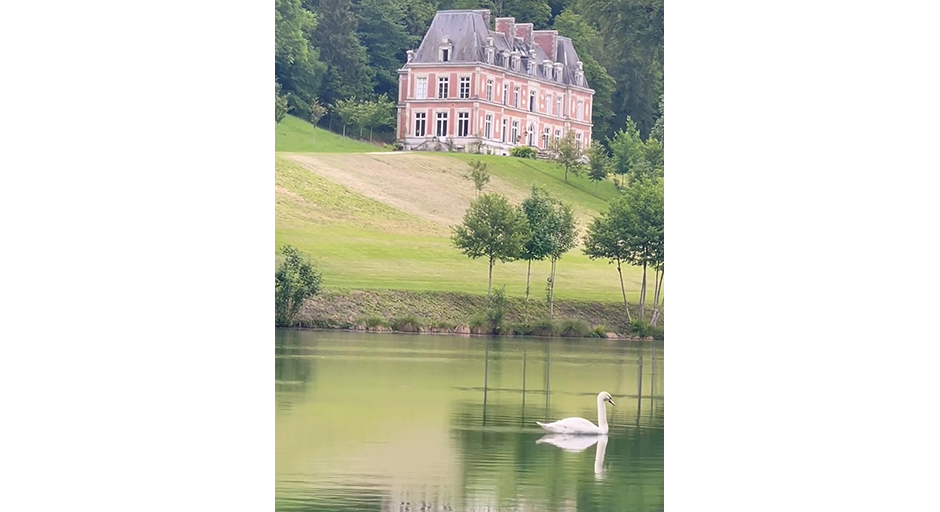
580,425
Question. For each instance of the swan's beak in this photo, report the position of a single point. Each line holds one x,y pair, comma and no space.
611,400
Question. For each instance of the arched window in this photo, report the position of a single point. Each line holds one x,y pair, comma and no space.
530,139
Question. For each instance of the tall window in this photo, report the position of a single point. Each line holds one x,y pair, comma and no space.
445,55
548,103
463,124
464,87
515,132
421,123
532,101
558,106
515,97
503,138
488,126
581,110
557,134
441,124
546,134
577,140
443,85
421,87
530,135
489,90
505,93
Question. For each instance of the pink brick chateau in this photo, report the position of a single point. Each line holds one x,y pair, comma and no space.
505,87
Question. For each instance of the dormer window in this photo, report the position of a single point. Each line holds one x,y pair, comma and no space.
447,49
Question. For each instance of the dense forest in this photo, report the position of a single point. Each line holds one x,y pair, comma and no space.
331,50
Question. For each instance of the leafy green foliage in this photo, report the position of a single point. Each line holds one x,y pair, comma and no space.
296,62
382,31
567,154
280,104
599,165
295,280
496,311
492,228
523,152
317,111
538,209
478,175
347,73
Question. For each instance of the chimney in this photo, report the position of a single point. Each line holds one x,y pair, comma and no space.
486,16
507,26
524,30
547,40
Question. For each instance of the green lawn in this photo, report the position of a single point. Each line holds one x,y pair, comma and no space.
296,135
360,243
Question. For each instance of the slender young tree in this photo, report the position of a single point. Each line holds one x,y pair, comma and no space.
599,165
478,175
603,241
538,211
566,153
563,236
317,111
491,228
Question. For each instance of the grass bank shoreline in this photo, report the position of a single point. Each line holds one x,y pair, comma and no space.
461,314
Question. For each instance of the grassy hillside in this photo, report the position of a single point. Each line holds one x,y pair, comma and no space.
383,221
295,134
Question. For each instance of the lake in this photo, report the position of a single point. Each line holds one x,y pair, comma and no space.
397,422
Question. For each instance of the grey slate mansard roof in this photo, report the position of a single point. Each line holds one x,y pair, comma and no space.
467,32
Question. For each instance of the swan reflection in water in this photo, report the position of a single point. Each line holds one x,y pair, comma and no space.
577,444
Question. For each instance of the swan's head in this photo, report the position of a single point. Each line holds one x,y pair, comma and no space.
604,396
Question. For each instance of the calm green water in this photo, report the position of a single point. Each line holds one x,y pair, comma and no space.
426,423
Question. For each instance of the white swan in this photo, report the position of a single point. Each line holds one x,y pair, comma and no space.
581,425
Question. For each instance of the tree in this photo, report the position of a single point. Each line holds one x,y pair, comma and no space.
295,280
347,73
348,112
603,241
492,228
627,148
567,154
599,165
296,62
644,230
538,211
280,104
317,111
383,33
478,175
563,236
379,112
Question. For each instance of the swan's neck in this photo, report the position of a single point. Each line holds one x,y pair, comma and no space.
601,415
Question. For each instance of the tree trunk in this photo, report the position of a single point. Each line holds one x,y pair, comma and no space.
551,292
566,174
370,134
527,275
624,292
656,294
344,129
643,293
489,286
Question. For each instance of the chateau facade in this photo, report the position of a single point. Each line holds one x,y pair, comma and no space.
467,84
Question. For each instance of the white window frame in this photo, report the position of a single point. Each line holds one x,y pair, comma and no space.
557,134
443,82
421,94
581,110
488,126
462,116
514,133
421,117
464,80
577,140
515,97
505,94
505,130
438,117
489,90
532,99
546,136
559,104
530,135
